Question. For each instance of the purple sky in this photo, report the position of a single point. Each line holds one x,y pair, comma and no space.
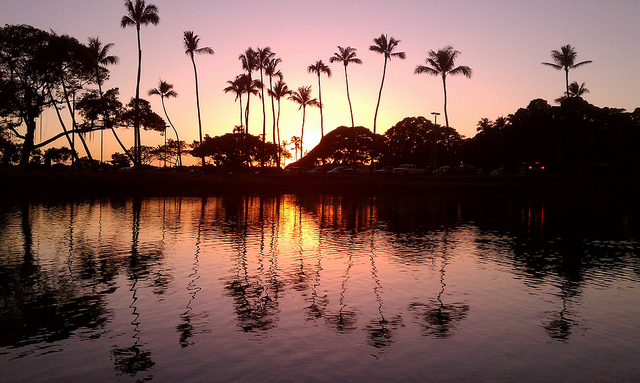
503,42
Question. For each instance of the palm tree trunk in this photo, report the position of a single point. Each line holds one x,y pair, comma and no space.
278,129
195,73
346,79
375,116
566,72
273,110
264,112
304,112
240,110
124,150
174,129
136,120
444,86
73,119
320,98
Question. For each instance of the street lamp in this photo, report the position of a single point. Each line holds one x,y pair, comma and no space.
435,117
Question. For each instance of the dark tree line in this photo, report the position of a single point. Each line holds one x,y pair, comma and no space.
575,137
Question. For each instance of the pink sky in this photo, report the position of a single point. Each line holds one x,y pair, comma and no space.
503,42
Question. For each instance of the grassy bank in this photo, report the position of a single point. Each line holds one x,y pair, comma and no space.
35,184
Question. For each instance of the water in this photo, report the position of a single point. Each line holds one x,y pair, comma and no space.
319,288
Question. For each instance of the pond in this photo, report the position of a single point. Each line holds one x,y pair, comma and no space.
435,287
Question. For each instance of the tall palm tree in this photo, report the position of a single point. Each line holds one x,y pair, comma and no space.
263,56
272,71
385,46
565,59
249,64
302,97
442,63
237,87
138,14
165,90
346,56
100,58
318,68
191,42
280,90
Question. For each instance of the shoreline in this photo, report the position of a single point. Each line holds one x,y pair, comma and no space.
43,184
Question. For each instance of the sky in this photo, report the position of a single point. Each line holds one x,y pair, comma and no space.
504,42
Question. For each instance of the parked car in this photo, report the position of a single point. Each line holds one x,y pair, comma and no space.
385,170
447,170
318,170
406,169
359,168
341,170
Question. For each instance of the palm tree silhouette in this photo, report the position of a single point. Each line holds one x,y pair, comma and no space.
280,90
271,70
346,56
237,87
565,59
303,98
442,63
138,14
318,68
385,46
163,90
99,59
191,41
263,55
575,90
249,64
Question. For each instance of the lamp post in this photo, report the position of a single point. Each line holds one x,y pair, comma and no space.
435,141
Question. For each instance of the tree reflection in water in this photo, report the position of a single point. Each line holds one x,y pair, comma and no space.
133,359
254,309
186,328
436,318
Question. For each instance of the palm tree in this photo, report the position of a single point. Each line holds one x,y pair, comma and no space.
236,86
442,63
138,14
565,59
318,68
575,90
163,90
249,64
271,70
100,58
191,41
280,90
263,56
303,98
346,56
385,46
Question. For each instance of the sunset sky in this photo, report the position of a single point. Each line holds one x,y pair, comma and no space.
504,42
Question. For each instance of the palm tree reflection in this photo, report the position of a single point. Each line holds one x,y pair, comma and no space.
186,327
437,318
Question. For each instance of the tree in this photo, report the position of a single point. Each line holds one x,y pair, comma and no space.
346,56
565,59
31,72
344,146
385,46
163,90
303,98
575,90
249,62
442,63
138,14
237,87
99,58
318,68
280,90
191,41
263,56
149,119
272,71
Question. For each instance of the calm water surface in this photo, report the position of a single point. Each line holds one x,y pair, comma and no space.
321,288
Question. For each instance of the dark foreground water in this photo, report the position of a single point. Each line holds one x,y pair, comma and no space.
322,288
